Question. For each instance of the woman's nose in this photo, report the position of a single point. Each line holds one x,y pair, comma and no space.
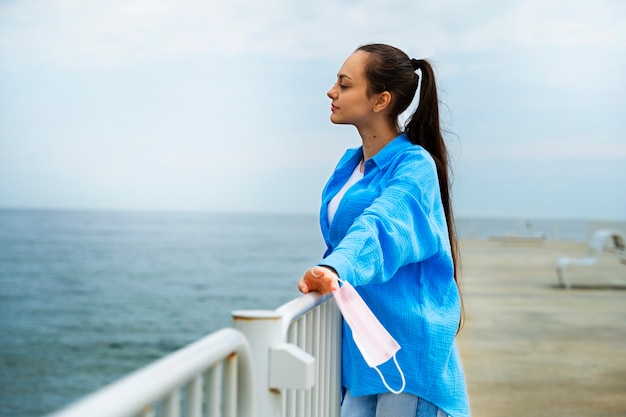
331,93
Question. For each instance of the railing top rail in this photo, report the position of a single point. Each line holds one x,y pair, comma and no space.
130,394
297,307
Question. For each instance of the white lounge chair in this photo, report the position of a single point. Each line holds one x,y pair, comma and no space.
602,242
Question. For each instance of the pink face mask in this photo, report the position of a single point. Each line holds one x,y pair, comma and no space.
374,342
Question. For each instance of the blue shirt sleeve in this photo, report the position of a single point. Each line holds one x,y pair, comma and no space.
402,221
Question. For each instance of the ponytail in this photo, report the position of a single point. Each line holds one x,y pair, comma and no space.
423,128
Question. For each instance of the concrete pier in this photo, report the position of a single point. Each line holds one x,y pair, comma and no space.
533,349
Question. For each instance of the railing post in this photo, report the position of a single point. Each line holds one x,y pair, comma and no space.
263,329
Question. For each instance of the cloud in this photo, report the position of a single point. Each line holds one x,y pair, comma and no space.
536,23
549,148
168,92
75,34
78,34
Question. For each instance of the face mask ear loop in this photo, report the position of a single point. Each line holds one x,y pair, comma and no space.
385,382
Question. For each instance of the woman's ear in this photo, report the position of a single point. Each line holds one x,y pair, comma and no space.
382,101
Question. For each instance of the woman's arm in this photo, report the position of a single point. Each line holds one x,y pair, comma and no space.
404,224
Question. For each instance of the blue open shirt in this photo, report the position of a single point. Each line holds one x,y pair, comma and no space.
389,239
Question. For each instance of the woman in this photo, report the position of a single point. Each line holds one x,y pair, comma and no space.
386,218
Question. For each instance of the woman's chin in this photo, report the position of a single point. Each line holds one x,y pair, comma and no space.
336,120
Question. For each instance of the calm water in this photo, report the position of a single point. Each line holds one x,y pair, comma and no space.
86,297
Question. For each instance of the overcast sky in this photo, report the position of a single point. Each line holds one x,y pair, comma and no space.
221,104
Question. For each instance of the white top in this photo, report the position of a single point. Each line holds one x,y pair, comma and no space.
334,202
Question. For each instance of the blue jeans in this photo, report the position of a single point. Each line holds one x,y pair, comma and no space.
388,405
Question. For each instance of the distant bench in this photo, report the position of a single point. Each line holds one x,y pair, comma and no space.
604,243
536,238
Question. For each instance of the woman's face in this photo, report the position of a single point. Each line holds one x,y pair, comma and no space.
350,101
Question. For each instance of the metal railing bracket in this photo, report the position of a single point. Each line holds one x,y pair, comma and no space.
291,367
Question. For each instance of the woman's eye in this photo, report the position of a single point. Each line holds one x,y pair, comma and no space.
343,86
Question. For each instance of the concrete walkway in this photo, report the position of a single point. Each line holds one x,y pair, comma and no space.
532,349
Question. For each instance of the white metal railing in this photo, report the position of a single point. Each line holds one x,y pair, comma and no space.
301,375
282,363
204,378
318,331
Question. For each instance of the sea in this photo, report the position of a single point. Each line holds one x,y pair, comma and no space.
88,296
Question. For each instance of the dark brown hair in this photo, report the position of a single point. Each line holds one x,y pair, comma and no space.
390,69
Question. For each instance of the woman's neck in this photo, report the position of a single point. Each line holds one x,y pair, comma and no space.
376,139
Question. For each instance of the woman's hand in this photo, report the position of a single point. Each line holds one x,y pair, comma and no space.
319,278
